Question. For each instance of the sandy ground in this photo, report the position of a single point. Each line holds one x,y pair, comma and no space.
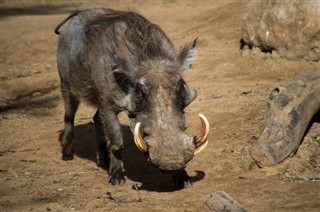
233,87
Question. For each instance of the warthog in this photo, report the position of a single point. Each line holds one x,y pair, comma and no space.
119,61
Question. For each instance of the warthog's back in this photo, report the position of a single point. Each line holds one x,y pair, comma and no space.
71,35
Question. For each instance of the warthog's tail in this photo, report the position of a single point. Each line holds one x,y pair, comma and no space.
56,30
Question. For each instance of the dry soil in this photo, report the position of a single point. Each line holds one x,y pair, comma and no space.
233,86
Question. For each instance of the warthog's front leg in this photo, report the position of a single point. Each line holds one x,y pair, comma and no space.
101,139
182,180
113,138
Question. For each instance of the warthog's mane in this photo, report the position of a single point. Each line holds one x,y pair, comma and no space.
158,73
140,34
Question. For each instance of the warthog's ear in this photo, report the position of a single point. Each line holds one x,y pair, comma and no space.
186,55
123,79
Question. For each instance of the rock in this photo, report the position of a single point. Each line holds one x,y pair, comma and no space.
292,28
220,201
36,94
245,52
48,67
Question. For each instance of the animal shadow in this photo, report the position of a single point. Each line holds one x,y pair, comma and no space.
136,165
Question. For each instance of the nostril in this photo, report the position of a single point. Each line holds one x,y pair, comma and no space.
171,167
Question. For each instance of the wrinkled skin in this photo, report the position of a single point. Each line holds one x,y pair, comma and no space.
119,61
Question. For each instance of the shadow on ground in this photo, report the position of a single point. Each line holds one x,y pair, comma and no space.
138,169
45,101
37,9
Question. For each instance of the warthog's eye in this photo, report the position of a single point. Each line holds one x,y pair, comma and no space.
140,94
183,123
185,95
182,94
132,115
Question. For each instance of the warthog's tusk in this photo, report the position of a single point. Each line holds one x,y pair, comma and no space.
200,148
201,139
138,140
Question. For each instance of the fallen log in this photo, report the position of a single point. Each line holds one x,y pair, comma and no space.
291,109
221,201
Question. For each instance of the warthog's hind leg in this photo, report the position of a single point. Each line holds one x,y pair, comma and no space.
71,104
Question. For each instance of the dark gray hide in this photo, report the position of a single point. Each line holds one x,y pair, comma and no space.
119,61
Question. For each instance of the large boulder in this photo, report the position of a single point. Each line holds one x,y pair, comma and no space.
292,28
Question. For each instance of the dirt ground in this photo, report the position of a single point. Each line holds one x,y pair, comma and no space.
232,85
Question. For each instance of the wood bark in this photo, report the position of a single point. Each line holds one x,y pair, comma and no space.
221,201
291,109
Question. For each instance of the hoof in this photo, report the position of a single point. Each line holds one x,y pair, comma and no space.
67,156
118,180
182,180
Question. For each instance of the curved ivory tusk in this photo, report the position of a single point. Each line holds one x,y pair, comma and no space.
201,139
138,140
200,148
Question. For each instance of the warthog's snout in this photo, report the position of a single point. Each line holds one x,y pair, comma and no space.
171,153
173,171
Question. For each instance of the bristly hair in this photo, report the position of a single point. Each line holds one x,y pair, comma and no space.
141,35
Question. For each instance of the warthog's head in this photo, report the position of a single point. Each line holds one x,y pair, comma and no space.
158,96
